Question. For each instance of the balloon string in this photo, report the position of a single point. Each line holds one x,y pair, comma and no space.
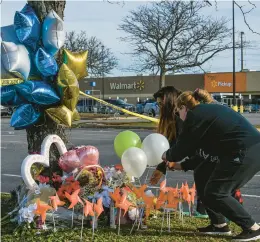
120,109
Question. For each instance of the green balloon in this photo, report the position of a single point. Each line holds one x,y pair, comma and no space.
126,140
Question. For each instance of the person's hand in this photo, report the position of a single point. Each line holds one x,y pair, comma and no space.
164,156
156,176
170,165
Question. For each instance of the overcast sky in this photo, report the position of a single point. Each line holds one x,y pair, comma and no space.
101,19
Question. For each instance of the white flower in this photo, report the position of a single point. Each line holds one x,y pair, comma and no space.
133,214
37,191
27,214
44,185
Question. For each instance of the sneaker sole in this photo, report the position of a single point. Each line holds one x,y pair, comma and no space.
251,239
217,233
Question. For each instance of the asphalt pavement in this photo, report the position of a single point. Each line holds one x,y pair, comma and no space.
14,150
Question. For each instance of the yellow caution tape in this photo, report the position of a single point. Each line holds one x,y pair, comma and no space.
11,81
155,120
15,81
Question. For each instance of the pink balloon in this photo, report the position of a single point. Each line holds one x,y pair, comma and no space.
69,161
88,155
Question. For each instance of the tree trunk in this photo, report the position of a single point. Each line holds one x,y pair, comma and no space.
37,133
162,78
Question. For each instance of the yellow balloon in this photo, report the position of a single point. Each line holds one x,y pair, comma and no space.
60,115
77,62
75,115
68,87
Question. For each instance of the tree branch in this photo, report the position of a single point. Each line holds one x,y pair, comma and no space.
244,15
100,60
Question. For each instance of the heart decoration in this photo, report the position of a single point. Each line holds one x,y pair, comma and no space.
43,159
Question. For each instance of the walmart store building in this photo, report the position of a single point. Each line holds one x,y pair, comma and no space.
135,88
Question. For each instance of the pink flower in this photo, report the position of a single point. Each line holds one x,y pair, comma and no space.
70,179
43,179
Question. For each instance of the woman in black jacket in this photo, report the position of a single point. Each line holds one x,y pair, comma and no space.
170,126
223,133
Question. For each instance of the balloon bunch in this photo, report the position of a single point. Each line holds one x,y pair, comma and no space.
136,155
31,80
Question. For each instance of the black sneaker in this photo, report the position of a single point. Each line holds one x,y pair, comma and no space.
212,230
248,235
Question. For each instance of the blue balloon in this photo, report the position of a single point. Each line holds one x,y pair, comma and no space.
9,96
27,27
38,92
53,33
25,116
46,63
34,72
8,34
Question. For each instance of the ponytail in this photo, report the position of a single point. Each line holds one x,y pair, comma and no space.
202,96
192,99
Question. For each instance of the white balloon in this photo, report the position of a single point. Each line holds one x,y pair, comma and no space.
53,33
154,145
134,162
16,59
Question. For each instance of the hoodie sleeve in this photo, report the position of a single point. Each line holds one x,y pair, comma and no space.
190,164
162,167
189,139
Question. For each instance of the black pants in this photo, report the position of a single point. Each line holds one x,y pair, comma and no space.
216,183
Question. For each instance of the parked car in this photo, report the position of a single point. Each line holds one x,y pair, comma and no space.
6,111
119,103
140,106
152,109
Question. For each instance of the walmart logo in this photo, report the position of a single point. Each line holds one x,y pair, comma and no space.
214,84
140,85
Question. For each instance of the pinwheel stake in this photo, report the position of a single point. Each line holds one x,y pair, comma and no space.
162,220
169,220
181,212
112,215
136,218
119,221
53,220
140,218
82,222
72,217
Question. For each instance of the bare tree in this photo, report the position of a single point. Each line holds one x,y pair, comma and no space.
173,36
100,58
36,134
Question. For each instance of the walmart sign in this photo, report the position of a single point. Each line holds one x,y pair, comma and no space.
127,86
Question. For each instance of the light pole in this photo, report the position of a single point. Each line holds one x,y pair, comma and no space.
103,79
234,58
242,54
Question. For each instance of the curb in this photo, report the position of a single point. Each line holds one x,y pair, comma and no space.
96,126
